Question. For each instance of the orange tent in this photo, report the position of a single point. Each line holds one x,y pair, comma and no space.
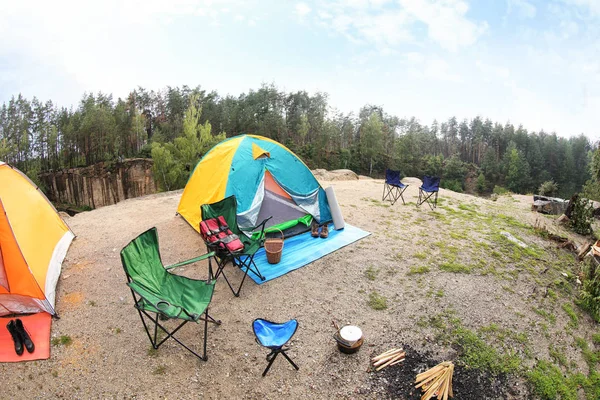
33,243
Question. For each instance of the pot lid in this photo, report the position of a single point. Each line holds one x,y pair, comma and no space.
351,333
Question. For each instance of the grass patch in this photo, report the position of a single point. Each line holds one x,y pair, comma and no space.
414,270
420,256
574,320
63,340
591,357
476,353
160,370
468,207
558,356
371,273
458,236
377,301
550,317
549,383
508,289
456,268
474,349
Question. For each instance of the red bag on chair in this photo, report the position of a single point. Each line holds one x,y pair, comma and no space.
216,231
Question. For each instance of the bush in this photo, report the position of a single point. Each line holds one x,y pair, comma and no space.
548,188
454,185
582,216
499,190
589,298
145,151
481,183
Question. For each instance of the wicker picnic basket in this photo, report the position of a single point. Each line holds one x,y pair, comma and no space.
274,248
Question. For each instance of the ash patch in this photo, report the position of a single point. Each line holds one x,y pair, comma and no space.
467,383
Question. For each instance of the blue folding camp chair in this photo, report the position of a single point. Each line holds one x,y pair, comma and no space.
430,186
393,188
274,336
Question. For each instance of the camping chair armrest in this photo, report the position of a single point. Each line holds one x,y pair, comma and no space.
262,230
193,260
163,306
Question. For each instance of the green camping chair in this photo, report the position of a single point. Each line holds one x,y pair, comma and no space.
243,259
158,293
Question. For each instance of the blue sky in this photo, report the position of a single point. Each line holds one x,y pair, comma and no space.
535,63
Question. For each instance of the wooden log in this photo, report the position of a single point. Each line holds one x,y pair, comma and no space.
399,361
429,372
389,362
384,355
387,358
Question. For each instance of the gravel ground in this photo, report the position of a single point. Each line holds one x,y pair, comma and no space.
110,356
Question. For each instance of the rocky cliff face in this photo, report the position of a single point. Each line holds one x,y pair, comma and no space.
101,184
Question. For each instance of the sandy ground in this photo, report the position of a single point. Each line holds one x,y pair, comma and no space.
110,354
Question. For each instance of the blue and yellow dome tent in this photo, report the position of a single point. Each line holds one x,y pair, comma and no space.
267,179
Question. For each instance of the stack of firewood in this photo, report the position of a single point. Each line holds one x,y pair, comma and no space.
436,381
388,358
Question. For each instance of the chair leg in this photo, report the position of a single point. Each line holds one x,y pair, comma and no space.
427,198
394,194
204,356
155,344
274,353
290,360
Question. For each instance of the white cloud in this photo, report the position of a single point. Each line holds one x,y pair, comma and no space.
593,6
522,8
492,72
414,57
446,21
430,67
302,9
388,24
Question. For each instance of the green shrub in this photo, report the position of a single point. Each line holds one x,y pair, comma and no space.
454,185
499,190
582,216
481,183
548,188
589,297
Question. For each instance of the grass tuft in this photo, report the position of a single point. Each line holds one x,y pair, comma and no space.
456,268
377,301
414,270
64,340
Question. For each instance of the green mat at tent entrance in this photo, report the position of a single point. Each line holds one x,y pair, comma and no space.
303,249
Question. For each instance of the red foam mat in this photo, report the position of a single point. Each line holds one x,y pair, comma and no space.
38,327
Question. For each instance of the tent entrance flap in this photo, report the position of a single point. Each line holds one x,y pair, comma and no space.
272,201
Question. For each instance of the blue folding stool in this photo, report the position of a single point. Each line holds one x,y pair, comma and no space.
430,186
393,188
274,336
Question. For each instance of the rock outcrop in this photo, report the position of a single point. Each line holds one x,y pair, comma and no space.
335,175
101,184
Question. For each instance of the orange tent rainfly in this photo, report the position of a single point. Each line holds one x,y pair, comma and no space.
33,243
